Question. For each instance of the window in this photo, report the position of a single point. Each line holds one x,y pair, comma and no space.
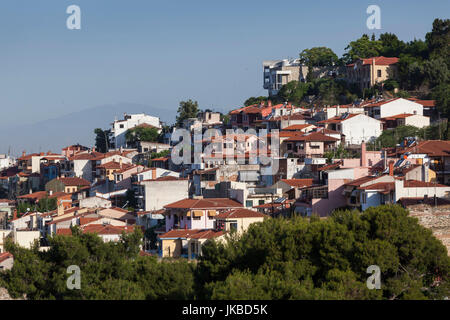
249,203
289,146
121,126
260,202
364,197
379,73
233,226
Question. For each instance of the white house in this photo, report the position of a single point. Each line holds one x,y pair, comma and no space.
388,108
356,128
120,127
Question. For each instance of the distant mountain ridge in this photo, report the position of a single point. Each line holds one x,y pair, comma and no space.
76,127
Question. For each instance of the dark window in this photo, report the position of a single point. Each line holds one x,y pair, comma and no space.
379,73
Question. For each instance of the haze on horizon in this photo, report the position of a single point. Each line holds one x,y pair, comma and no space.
159,53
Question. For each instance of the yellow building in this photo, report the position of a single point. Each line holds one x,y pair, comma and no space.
368,72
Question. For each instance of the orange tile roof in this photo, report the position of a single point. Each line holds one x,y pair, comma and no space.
204,203
74,181
422,184
384,186
397,116
64,232
42,194
191,233
298,126
360,181
5,255
111,165
339,119
425,103
313,136
379,61
434,148
240,213
299,183
107,229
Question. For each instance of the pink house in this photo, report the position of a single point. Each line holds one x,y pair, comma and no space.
196,213
310,145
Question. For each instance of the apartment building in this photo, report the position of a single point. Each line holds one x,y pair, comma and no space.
280,72
130,121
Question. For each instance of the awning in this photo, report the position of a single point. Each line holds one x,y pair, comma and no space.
197,213
212,213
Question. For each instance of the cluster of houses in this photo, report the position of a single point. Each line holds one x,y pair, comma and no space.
185,205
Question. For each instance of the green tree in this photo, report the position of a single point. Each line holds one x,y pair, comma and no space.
102,139
255,100
188,109
441,94
136,134
300,258
391,45
438,40
362,48
318,57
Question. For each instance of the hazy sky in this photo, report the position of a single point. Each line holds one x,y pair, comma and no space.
160,52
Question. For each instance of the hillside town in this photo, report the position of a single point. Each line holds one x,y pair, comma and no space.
187,204
213,175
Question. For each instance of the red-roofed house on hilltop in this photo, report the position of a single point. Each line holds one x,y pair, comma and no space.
368,72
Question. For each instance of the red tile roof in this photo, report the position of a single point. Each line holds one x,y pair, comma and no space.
42,194
240,213
5,255
422,184
191,233
206,203
434,148
313,136
339,119
379,61
107,229
299,183
397,116
298,126
111,165
74,181
360,181
64,231
425,103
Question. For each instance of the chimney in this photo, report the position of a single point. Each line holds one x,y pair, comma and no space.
93,149
391,168
24,153
384,159
15,214
120,163
50,193
154,173
269,103
363,154
337,110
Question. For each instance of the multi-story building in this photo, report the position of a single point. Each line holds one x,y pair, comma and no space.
279,72
368,72
130,121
